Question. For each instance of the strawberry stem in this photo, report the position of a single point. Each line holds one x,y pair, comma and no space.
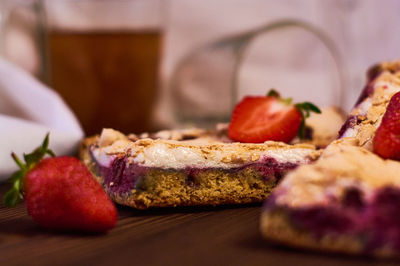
304,109
274,93
51,153
286,101
12,197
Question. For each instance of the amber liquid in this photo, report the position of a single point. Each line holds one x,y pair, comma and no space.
109,79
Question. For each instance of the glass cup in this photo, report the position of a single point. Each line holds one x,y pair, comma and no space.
20,38
103,57
209,81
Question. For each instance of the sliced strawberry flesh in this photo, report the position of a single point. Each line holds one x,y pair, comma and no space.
258,119
387,137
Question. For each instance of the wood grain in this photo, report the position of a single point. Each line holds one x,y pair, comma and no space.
181,236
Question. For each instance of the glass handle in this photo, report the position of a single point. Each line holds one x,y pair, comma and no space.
205,82
242,42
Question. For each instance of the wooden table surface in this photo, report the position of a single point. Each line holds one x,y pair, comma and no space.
180,236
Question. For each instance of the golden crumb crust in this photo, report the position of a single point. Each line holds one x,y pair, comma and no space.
276,227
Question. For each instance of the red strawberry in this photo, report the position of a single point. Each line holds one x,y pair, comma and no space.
387,136
261,118
61,193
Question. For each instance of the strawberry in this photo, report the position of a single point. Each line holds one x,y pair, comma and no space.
261,118
387,137
61,193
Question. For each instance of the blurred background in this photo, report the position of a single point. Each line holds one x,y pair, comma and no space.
143,65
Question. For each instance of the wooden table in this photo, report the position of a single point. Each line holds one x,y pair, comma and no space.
180,236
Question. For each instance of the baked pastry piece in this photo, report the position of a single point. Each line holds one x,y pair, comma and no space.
348,201
188,169
383,81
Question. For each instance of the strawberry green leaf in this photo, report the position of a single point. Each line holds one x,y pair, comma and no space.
18,161
304,109
39,152
273,93
15,176
311,107
12,197
33,157
302,128
45,143
51,153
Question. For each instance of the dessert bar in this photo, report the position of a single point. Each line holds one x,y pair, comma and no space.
348,200
201,170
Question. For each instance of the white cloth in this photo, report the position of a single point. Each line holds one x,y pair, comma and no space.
28,110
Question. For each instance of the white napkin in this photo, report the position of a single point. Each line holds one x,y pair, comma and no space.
28,110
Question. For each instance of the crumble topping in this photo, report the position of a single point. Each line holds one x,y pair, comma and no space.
199,153
342,165
368,114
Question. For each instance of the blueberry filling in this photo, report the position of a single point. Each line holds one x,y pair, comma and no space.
353,199
321,220
372,74
365,93
351,122
122,177
376,223
308,134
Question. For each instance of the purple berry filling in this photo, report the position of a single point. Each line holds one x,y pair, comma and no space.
376,223
321,220
365,93
121,177
353,199
372,74
385,218
351,122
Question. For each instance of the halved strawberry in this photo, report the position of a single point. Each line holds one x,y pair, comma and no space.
260,118
387,136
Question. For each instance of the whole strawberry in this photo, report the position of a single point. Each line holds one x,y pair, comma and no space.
387,137
61,193
261,118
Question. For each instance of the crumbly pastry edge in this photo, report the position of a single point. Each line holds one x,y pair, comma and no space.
145,200
109,137
275,227
201,152
385,77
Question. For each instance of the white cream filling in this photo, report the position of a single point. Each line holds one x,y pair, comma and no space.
350,132
163,156
390,87
364,106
